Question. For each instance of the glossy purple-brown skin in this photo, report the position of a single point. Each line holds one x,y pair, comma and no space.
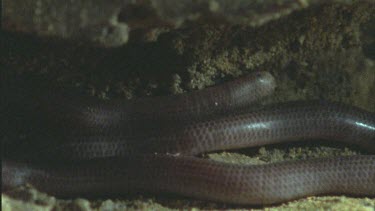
69,114
284,122
205,179
96,139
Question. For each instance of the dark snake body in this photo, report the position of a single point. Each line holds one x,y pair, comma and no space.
118,147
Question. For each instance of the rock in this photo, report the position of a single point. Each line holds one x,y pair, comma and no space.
111,23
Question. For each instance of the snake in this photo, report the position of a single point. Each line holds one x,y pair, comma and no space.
78,146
